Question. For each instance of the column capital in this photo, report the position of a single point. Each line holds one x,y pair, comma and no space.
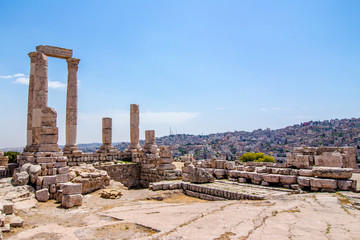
38,57
73,63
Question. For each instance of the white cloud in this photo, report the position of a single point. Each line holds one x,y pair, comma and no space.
22,80
13,76
7,76
56,85
167,117
19,75
51,84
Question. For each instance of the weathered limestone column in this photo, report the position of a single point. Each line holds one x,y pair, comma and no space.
134,127
107,146
32,56
71,108
38,90
40,98
107,131
150,145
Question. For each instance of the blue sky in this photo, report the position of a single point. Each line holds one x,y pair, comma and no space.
197,66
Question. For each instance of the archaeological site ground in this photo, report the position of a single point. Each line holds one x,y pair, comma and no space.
145,193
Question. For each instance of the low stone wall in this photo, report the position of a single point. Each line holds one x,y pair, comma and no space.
203,192
306,157
327,179
156,175
97,157
127,174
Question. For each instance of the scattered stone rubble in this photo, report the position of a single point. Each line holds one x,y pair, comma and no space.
110,194
12,199
91,178
195,174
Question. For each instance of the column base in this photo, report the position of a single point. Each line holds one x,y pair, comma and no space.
134,146
107,148
72,150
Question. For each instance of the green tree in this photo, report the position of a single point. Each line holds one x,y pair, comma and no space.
12,156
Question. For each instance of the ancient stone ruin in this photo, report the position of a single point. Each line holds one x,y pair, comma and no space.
305,157
64,175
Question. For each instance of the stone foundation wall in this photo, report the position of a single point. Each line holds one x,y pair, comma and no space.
306,157
156,175
327,179
127,174
97,157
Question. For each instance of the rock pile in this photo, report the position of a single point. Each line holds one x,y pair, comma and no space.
195,174
91,178
110,194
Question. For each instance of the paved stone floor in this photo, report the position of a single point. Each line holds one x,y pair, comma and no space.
137,215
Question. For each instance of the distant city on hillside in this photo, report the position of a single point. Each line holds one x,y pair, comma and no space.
231,145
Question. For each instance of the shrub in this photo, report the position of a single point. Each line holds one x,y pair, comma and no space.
256,157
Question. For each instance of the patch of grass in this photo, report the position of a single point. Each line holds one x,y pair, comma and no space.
225,236
344,200
328,228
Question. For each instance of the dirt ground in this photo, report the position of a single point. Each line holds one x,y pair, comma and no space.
138,215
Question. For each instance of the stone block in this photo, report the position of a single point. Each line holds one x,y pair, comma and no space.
332,172
52,188
305,172
15,221
346,185
242,180
42,195
166,167
323,183
304,181
55,51
72,188
219,173
7,206
62,178
63,170
166,154
262,169
53,139
49,148
49,131
25,167
69,201
60,164
271,178
48,180
229,165
234,174
20,179
220,164
288,179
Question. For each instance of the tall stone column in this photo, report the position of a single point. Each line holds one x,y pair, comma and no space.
38,91
134,127
71,108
